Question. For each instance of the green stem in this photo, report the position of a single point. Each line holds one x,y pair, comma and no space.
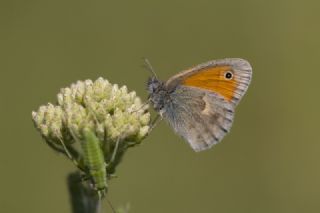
83,199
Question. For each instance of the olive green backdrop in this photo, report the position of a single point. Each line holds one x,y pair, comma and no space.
268,164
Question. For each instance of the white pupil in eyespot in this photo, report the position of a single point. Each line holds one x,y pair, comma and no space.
228,75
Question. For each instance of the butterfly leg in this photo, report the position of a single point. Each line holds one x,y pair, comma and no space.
142,106
154,123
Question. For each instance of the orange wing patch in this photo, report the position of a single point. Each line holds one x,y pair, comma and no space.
214,79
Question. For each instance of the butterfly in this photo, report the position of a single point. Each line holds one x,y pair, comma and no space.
199,103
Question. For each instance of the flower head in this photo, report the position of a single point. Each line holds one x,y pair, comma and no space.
115,116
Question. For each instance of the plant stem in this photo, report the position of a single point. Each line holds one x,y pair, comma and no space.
82,198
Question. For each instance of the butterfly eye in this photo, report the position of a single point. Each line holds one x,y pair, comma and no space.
228,75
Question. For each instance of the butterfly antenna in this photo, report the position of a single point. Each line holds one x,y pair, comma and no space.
149,67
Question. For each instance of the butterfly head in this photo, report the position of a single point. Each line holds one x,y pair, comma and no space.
157,93
153,85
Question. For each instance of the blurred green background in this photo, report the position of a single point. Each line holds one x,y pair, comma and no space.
269,162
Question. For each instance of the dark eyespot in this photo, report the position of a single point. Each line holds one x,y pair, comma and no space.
228,75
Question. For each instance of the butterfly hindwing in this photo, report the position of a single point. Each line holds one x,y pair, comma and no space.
200,117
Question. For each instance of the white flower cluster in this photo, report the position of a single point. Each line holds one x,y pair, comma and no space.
116,118
107,110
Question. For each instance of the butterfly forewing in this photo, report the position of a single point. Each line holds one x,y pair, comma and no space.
229,78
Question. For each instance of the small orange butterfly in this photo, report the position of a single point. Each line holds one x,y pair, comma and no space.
199,103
